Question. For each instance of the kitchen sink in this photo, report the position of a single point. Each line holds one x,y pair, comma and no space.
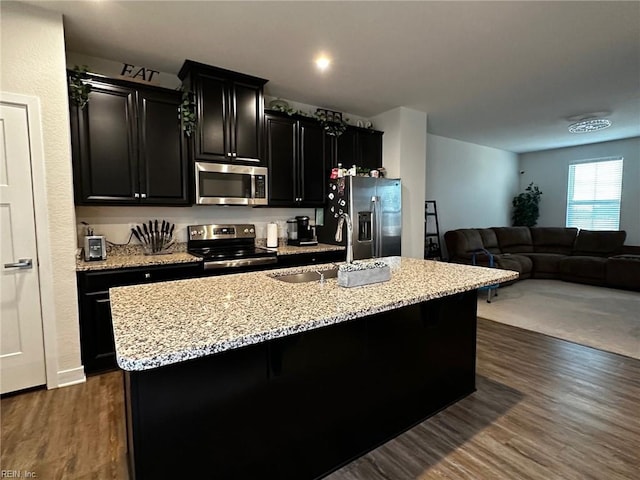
312,276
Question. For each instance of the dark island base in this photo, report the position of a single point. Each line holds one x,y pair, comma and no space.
302,406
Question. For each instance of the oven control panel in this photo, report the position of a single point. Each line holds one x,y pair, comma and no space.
216,232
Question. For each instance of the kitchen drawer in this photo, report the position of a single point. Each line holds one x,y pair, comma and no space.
103,280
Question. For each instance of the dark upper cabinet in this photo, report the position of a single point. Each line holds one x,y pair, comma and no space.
295,153
229,111
128,146
163,157
358,146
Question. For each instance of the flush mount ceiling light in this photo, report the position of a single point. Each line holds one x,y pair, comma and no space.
323,62
590,125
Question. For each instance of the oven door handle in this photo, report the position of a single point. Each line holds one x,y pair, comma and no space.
244,262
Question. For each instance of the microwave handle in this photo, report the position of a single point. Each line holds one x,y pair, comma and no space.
253,186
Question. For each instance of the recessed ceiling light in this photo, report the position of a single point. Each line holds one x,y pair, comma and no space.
591,125
323,62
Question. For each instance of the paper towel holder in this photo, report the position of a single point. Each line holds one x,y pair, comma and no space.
272,235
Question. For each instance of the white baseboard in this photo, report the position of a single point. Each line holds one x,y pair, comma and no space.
70,377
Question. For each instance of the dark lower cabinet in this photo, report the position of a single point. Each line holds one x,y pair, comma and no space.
301,406
96,330
128,146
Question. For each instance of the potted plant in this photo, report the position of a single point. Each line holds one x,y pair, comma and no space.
525,207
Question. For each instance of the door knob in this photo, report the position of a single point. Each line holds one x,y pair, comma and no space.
22,263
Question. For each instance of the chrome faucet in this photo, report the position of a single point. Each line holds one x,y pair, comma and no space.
343,217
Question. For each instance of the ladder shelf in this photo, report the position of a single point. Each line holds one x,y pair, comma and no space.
432,250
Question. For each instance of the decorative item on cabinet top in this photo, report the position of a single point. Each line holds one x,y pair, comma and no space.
331,121
281,105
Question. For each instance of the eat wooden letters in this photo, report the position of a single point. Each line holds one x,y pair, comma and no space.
141,73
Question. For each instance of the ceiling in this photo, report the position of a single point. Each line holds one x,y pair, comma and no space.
501,74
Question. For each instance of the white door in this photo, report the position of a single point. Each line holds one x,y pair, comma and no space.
22,363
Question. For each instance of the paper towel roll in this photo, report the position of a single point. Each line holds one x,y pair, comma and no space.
272,235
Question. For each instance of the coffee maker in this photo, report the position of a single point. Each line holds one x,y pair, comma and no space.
300,233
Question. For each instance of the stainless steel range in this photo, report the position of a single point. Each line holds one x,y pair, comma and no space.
227,246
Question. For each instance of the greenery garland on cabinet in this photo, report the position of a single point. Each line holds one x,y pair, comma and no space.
79,89
188,112
331,121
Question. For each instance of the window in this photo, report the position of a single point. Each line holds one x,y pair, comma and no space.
593,194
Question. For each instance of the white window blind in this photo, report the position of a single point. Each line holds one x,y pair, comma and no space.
593,194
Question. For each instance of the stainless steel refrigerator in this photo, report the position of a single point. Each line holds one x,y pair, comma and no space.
375,208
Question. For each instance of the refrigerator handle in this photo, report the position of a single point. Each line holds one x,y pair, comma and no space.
376,227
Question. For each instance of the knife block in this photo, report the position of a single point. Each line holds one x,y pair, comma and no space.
165,251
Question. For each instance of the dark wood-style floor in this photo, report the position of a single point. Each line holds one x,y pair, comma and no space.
544,409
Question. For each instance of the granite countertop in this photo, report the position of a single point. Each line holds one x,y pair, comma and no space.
135,260
164,323
133,257
293,250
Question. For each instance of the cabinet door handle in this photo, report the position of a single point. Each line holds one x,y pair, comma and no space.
147,275
136,195
234,154
143,195
228,154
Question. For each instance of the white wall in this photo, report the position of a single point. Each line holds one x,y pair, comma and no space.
33,63
473,185
549,169
404,156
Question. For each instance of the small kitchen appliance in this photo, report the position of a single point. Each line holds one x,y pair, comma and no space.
227,247
300,233
95,248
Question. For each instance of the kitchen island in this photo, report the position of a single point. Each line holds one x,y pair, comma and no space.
246,376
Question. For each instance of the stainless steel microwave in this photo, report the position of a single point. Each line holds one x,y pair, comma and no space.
224,184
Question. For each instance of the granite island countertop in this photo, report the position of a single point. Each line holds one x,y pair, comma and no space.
294,250
163,323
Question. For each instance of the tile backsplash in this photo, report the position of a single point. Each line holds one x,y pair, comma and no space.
115,222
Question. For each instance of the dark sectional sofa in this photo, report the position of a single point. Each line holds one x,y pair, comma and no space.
585,256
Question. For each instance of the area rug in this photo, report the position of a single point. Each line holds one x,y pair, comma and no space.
603,318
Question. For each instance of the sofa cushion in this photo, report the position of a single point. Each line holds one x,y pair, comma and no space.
623,271
583,269
519,263
546,265
514,239
462,242
489,240
553,239
602,243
